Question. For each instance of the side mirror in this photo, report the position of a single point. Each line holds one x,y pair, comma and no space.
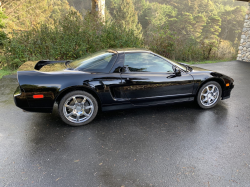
177,71
124,69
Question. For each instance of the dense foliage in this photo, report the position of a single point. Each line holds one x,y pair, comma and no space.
192,29
3,35
185,30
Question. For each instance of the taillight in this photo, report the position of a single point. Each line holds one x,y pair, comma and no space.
38,96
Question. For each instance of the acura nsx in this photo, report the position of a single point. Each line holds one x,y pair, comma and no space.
115,79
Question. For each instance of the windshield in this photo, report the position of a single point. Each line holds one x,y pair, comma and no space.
101,61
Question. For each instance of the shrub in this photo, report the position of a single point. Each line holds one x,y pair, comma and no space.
70,38
226,50
3,37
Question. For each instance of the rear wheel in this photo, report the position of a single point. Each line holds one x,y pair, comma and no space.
78,108
209,95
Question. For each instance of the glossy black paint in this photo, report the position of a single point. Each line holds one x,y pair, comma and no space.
143,88
116,89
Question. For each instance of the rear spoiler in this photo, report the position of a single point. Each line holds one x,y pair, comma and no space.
42,63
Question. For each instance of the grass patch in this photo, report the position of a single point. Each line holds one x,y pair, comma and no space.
205,62
6,72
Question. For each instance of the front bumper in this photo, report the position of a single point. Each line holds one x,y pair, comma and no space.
227,92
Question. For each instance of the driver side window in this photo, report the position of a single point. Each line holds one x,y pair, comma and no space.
146,62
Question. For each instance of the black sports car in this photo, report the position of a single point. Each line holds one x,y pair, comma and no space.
115,79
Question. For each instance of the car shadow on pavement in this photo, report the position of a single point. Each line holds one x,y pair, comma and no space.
186,116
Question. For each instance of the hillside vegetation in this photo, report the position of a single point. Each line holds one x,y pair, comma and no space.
184,30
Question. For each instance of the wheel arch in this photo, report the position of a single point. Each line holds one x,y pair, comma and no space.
76,88
218,80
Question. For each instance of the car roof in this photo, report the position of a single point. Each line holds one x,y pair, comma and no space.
129,50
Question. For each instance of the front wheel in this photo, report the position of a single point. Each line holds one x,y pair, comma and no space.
209,95
78,108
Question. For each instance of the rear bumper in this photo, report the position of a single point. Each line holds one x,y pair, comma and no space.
227,92
21,101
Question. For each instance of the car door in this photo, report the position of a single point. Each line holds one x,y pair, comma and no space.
149,79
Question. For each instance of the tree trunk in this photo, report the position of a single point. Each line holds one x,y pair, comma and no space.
98,6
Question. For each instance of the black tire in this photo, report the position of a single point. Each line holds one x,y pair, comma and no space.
204,101
77,107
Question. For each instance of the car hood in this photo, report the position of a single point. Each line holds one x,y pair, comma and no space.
197,69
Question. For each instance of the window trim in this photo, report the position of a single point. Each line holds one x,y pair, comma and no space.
131,72
107,69
149,52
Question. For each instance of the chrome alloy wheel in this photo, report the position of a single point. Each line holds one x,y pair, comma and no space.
209,95
78,108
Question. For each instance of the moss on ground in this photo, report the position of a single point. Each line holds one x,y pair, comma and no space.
6,72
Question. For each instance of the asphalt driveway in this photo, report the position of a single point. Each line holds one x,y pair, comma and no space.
172,145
